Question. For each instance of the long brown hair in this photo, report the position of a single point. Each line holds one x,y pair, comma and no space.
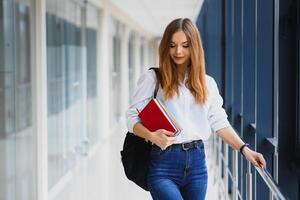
196,70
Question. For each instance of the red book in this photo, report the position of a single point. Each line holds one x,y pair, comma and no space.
154,116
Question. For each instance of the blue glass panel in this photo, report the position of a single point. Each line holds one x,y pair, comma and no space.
16,134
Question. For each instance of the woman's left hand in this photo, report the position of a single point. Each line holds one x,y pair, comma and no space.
255,158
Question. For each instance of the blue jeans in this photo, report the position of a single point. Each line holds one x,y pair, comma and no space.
177,173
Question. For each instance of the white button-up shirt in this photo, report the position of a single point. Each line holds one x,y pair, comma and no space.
197,121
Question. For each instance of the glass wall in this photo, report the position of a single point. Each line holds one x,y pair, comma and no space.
92,52
72,89
16,136
131,64
115,67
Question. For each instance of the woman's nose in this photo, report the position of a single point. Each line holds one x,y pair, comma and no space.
178,50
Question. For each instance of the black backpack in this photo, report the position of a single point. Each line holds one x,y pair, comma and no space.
136,151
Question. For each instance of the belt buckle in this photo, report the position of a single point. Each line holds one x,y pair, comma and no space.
185,146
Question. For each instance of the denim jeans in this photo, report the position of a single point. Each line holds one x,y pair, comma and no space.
177,173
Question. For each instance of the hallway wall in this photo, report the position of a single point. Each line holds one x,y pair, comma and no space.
252,49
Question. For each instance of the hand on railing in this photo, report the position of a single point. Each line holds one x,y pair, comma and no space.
230,137
255,158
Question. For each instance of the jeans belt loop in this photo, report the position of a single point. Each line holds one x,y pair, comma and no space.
183,147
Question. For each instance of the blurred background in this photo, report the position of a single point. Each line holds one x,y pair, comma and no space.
68,69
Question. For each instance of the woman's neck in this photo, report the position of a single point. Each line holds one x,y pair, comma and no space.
181,69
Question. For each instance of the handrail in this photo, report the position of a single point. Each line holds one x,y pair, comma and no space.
268,179
270,183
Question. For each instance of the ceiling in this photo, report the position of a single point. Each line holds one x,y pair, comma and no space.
154,15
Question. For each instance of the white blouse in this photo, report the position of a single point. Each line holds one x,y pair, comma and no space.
197,121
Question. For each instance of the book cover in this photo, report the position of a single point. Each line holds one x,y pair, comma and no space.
154,116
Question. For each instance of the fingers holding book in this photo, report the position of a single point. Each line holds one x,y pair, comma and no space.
163,138
165,132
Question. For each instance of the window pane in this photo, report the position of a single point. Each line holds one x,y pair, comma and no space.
131,64
115,72
16,138
92,52
67,93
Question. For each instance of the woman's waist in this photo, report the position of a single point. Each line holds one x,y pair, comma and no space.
191,135
185,145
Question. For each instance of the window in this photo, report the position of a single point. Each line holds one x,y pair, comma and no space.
264,84
71,85
16,134
131,64
92,59
115,63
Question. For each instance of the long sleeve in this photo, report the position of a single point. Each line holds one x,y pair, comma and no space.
142,95
217,116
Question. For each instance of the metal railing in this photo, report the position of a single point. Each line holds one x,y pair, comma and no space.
270,183
221,161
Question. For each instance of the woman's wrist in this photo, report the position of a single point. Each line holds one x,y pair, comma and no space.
151,136
243,147
140,130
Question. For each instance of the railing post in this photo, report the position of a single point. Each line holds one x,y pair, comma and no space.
235,175
226,169
220,165
249,182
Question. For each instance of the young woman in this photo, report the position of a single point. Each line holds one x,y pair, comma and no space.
177,168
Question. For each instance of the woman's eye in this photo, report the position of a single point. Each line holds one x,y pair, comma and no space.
185,46
172,45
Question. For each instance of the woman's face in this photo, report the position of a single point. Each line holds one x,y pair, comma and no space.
179,48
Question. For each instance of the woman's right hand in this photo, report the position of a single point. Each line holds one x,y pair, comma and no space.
163,138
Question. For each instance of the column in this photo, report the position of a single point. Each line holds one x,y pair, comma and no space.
39,91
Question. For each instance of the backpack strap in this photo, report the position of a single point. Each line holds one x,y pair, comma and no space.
158,78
